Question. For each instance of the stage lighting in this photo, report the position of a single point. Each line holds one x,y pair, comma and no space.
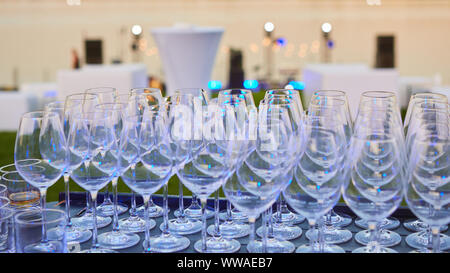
136,30
326,27
269,26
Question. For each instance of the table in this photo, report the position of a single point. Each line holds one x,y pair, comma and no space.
78,201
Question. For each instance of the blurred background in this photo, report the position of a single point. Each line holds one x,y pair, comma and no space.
50,48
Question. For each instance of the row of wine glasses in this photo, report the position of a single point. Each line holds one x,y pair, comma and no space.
275,152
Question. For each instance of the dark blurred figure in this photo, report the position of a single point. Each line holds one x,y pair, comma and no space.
75,59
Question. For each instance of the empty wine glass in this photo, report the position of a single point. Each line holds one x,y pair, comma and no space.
194,211
375,169
106,95
337,106
148,160
92,138
74,105
116,239
241,101
428,189
318,176
40,137
65,110
212,158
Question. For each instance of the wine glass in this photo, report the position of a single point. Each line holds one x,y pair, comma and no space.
65,112
267,170
332,105
147,160
92,138
41,137
106,95
375,168
135,105
427,191
178,112
75,104
194,211
318,176
333,219
212,157
281,105
144,99
283,214
181,121
241,101
116,239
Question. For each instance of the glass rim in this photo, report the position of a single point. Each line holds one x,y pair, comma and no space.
432,95
106,89
58,102
39,115
151,89
382,94
7,202
10,213
5,178
242,90
14,164
74,95
121,106
85,116
39,223
338,93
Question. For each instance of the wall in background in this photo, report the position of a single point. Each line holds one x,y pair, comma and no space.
38,35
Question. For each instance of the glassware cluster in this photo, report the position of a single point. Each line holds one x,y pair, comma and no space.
258,156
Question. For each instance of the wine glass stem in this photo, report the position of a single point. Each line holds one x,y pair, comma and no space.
94,220
229,215
373,245
279,208
436,239
269,223
216,215
203,201
312,243
165,210
147,224
320,237
264,239
116,215
44,225
67,199
180,201
133,212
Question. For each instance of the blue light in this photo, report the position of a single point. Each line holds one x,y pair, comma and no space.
281,42
330,44
297,85
214,85
251,84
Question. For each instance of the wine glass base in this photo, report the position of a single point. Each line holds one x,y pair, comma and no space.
108,209
331,237
386,238
289,217
387,223
365,249
153,211
236,216
230,230
118,240
167,243
134,224
283,232
218,245
418,225
86,221
98,250
180,227
195,214
273,246
339,220
73,234
47,247
419,240
327,249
